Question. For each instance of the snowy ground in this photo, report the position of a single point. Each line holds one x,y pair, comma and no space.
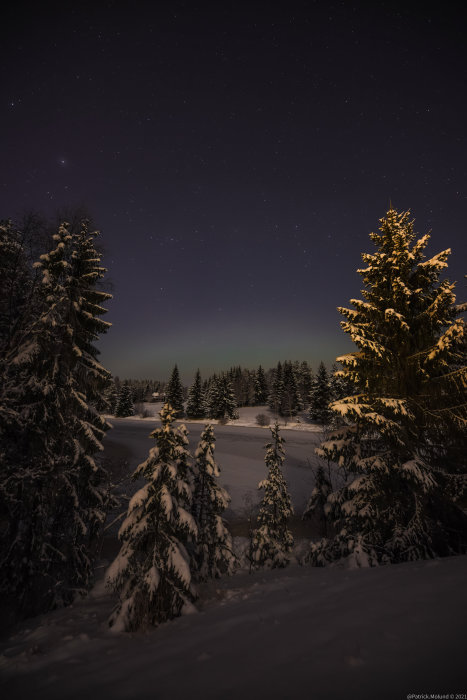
247,418
301,632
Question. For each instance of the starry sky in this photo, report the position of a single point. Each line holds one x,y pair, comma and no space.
235,157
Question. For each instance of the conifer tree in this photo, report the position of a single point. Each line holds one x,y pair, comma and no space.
111,398
212,552
340,385
260,387
91,378
277,389
404,431
305,382
86,273
53,493
125,405
16,286
320,397
174,393
317,504
222,402
196,405
272,540
291,402
210,388
151,573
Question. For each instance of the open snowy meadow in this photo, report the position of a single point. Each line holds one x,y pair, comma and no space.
385,632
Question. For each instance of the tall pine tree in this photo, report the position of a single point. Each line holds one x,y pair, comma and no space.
260,387
152,572
277,390
222,402
124,406
404,431
53,491
320,397
291,402
196,404
272,540
174,393
212,551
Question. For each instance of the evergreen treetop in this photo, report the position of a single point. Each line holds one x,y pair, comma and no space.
213,550
51,430
196,404
174,393
406,426
272,541
152,572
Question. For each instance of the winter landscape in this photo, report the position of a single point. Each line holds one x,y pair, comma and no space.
233,365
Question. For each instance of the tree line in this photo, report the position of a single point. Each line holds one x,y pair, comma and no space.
288,389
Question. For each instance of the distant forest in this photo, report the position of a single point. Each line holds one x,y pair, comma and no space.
288,389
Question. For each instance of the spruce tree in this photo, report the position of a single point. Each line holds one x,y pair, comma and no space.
320,397
403,433
210,388
277,389
111,398
260,387
305,382
291,402
317,505
196,404
340,385
16,286
53,493
125,407
212,551
151,573
174,393
222,402
91,378
272,540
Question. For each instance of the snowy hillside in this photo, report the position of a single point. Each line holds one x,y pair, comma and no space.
301,632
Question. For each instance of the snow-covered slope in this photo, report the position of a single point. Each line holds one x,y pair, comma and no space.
300,632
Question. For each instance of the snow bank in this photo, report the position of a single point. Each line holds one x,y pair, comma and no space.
246,419
302,632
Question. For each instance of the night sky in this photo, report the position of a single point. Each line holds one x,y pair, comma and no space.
235,157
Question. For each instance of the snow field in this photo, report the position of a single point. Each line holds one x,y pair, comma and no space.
317,633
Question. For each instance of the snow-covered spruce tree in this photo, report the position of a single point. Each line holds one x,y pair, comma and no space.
174,393
111,398
260,387
125,405
16,285
196,404
151,573
403,433
272,541
306,382
340,385
320,397
317,504
53,492
210,388
277,388
291,402
212,552
222,400
92,379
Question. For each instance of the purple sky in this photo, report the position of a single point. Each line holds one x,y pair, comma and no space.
235,157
